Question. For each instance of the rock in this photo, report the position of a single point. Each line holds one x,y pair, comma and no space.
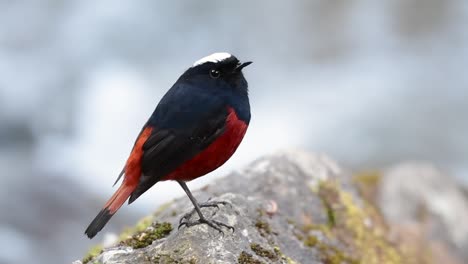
290,207
418,198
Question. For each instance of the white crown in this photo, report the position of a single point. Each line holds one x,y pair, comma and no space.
215,57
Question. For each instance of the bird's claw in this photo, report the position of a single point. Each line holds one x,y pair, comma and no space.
212,223
185,220
186,217
206,204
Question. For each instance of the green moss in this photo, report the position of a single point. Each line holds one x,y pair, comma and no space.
141,226
291,221
92,253
261,212
330,215
371,178
367,183
299,236
172,258
277,251
284,258
264,253
290,260
369,242
307,228
146,237
169,259
353,234
311,241
329,198
246,258
142,234
329,253
263,228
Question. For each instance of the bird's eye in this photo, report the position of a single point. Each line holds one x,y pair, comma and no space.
215,74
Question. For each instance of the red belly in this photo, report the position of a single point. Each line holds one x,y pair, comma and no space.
215,154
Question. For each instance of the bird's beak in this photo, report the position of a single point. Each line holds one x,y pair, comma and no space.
242,65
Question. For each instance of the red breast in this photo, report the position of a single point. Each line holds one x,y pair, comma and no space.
216,154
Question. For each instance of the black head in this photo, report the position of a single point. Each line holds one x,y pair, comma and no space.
218,71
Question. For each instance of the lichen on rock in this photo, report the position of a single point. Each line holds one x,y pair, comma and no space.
93,252
146,236
359,236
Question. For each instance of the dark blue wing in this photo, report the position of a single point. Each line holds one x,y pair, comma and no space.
184,123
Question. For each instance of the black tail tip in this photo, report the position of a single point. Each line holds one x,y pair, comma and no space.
135,194
98,223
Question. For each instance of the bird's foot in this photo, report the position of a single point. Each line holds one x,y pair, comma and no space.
185,220
216,204
212,223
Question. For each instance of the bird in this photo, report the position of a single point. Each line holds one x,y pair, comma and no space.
196,127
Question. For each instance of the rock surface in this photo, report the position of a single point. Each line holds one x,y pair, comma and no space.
418,197
291,207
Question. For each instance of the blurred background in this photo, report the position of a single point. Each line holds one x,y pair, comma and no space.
370,83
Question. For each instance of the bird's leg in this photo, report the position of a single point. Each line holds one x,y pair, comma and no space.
202,220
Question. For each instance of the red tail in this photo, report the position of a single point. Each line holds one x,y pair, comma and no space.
119,197
132,171
110,208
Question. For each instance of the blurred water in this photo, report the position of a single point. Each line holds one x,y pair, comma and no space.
368,83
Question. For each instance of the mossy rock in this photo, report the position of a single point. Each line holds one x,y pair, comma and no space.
146,237
92,253
334,222
353,233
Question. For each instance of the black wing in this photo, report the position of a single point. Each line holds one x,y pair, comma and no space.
167,149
